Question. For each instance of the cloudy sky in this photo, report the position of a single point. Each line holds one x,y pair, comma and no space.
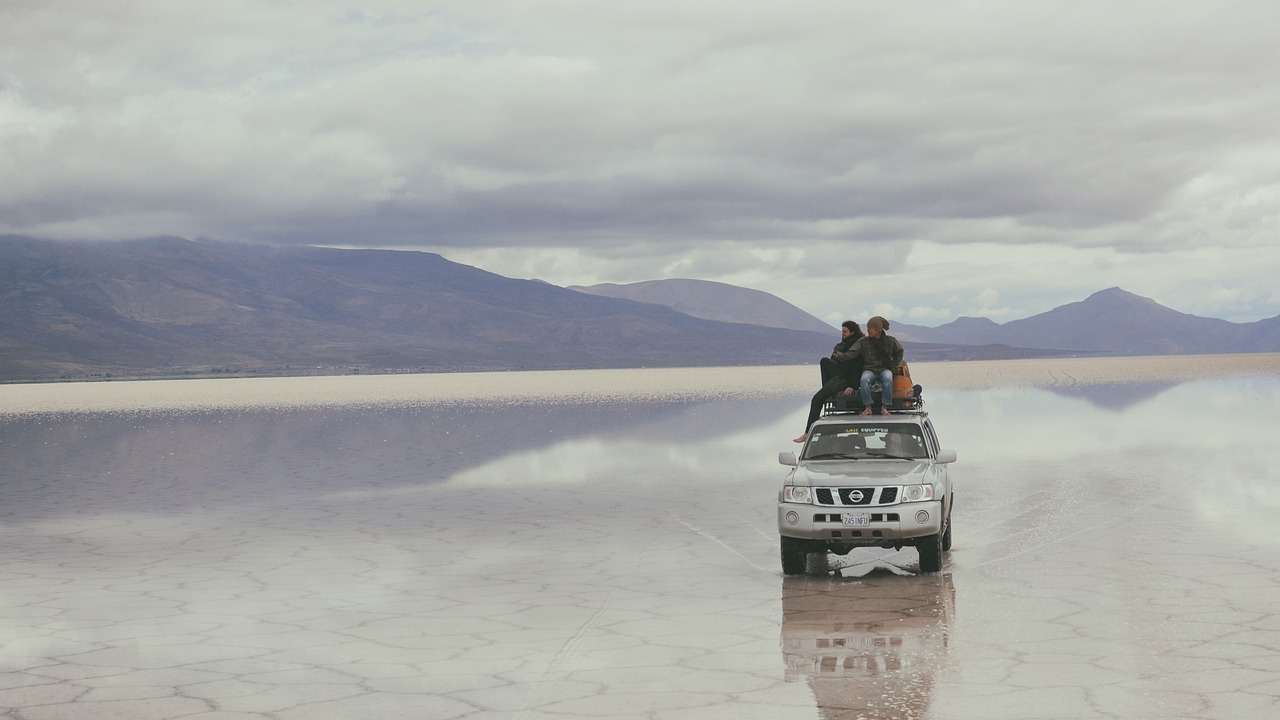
920,160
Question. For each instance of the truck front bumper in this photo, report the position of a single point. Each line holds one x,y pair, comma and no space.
880,525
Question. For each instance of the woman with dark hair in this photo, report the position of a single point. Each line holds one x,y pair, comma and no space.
838,373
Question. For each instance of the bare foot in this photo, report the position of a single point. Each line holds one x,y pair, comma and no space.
802,438
884,411
865,411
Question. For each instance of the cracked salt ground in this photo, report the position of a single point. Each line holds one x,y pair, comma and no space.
407,547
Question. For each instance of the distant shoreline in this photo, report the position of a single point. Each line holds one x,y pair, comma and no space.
601,386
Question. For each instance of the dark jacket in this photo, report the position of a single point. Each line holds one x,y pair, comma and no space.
849,367
844,345
872,359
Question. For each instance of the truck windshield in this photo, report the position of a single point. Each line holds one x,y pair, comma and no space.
863,442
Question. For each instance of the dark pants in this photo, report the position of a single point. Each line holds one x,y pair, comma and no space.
829,369
835,378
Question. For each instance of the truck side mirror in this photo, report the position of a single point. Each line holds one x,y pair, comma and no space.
945,456
788,458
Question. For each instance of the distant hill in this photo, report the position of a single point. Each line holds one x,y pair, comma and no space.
962,330
173,306
1110,321
715,301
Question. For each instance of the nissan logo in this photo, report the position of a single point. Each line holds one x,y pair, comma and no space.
855,496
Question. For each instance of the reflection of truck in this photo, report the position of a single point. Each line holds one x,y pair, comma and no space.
867,481
868,648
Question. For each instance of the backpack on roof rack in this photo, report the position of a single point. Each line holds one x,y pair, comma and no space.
902,388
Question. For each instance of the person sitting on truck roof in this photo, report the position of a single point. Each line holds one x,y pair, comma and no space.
837,375
880,354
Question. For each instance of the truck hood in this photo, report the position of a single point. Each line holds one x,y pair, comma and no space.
865,472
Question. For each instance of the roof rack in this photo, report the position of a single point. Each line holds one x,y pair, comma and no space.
853,404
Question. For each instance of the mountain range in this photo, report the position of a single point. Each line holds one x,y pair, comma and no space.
1113,321
169,306
173,307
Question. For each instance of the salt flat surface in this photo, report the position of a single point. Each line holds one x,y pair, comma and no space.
602,544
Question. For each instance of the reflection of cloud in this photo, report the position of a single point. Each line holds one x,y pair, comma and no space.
670,445
560,464
869,648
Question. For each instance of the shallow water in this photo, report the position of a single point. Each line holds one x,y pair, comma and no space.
602,544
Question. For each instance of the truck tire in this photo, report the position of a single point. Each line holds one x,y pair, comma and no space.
946,536
930,553
794,554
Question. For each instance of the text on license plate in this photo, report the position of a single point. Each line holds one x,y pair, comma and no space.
857,518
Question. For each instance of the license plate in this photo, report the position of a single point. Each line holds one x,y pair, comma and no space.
857,518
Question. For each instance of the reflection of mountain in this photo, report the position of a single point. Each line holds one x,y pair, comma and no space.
694,421
869,648
1116,396
211,458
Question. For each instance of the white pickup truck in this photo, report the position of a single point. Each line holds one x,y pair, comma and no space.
867,481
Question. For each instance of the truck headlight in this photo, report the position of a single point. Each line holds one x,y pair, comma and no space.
797,494
917,493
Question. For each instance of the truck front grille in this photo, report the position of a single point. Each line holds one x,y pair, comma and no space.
856,496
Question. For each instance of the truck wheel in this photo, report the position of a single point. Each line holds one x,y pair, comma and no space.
946,536
794,554
930,553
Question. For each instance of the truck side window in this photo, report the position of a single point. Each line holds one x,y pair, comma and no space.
934,446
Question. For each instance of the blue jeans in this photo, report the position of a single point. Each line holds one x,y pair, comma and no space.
886,391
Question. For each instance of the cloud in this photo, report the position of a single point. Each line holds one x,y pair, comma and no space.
1057,147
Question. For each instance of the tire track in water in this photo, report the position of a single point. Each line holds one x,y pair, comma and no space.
721,543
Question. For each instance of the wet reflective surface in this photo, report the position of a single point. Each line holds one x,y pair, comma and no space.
602,545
